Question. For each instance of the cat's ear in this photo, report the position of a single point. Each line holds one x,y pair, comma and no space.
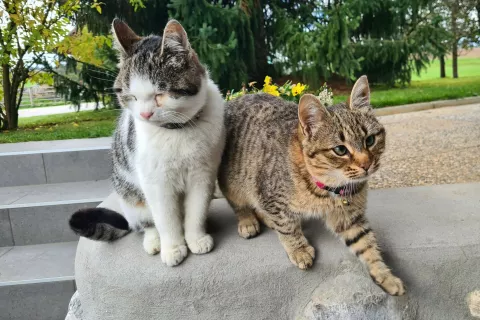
360,96
311,113
174,33
124,37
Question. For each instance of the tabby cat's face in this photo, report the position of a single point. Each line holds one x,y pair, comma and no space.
342,143
160,79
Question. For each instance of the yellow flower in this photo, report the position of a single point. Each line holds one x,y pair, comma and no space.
268,80
271,89
298,89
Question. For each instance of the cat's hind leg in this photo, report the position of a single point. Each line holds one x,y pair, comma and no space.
248,224
140,218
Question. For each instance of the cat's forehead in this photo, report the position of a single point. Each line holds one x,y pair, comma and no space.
344,124
173,67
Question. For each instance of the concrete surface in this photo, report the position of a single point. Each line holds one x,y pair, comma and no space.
55,145
45,111
38,300
39,213
37,262
36,282
54,166
431,147
70,192
430,236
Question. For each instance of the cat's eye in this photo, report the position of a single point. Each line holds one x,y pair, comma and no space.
117,90
181,92
340,150
130,97
370,141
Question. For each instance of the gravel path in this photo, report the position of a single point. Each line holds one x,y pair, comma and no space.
438,146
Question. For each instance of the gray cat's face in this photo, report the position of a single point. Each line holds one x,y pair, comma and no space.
343,143
160,78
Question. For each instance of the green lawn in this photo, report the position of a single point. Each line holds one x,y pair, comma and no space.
424,91
467,67
84,124
430,87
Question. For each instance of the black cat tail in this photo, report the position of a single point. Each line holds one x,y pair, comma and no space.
99,224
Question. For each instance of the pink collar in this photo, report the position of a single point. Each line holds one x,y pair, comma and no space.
343,191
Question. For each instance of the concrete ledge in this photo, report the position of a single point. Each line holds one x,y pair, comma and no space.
37,281
31,168
386,111
429,235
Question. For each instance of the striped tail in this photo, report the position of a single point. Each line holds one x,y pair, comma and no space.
99,224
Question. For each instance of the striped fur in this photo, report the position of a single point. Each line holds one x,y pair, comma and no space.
275,149
99,224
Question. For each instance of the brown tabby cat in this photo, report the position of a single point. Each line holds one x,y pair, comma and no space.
284,163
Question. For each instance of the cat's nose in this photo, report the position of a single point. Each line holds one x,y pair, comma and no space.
365,165
146,115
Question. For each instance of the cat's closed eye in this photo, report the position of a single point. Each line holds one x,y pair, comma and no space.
130,97
181,92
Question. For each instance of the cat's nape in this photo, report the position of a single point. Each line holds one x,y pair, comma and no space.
166,148
284,162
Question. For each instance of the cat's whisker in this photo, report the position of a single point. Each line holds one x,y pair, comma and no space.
185,119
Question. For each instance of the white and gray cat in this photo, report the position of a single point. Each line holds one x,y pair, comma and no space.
167,146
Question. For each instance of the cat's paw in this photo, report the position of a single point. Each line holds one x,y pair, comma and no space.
151,243
201,245
174,256
248,227
302,257
391,285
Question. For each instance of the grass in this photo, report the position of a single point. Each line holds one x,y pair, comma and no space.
423,91
467,67
77,125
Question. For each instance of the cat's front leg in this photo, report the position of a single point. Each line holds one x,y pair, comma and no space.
290,234
164,203
199,193
358,236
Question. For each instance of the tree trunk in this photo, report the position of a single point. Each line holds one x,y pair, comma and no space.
260,42
455,59
477,6
10,89
455,40
442,67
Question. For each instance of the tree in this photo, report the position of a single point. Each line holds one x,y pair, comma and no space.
462,26
385,39
28,31
85,68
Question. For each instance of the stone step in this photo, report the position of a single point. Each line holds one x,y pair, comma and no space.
32,163
36,214
37,281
